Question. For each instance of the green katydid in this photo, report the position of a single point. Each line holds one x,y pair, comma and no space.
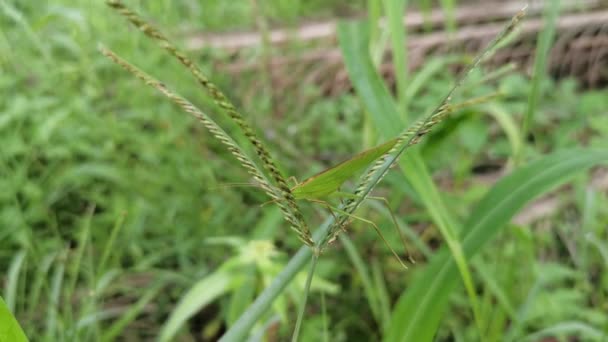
329,181
326,183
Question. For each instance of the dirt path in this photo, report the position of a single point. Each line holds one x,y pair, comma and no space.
415,21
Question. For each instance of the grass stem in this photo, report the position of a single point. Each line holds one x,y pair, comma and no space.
311,273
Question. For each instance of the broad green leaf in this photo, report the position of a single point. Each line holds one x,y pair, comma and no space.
351,38
394,11
329,181
10,331
370,87
422,306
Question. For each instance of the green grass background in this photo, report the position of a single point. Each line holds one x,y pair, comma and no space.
112,204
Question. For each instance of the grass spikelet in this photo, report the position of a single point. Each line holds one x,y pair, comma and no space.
414,133
217,132
223,102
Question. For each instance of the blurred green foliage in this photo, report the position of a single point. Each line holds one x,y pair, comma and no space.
93,163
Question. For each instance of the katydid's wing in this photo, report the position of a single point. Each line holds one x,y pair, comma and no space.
330,180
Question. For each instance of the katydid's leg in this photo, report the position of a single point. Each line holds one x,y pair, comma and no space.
329,207
395,225
393,218
376,228
294,180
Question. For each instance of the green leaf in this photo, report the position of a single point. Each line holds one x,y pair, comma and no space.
202,293
329,181
10,331
384,114
543,49
242,297
394,11
421,307
370,87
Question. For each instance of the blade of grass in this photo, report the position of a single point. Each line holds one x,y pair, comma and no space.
543,48
109,247
374,11
311,273
382,294
20,20
502,116
134,310
200,294
40,282
76,260
364,274
426,7
324,315
380,104
420,309
12,280
354,38
395,10
262,303
518,325
54,296
422,76
568,329
449,9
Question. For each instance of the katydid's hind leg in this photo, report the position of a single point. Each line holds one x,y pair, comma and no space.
329,207
294,180
376,228
394,219
379,232
396,226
